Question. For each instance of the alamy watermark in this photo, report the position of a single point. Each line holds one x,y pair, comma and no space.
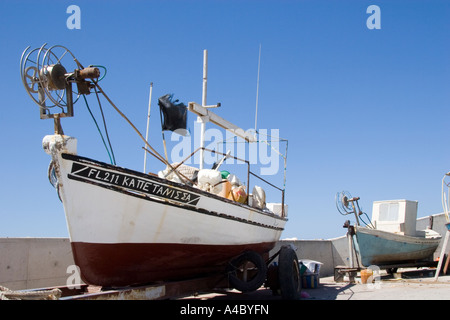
374,279
74,20
374,20
265,151
74,280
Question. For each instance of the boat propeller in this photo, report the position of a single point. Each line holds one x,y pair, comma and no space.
48,75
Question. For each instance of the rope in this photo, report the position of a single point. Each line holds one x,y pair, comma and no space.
7,294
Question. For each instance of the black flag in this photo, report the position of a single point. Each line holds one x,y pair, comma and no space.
173,114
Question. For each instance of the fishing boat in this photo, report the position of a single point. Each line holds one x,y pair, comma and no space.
381,248
390,238
128,227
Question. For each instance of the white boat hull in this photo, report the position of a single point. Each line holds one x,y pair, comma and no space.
127,227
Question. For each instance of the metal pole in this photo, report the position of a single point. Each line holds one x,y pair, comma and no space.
441,257
257,89
148,122
205,76
200,119
350,247
354,210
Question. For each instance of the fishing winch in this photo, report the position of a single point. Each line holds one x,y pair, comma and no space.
48,82
346,205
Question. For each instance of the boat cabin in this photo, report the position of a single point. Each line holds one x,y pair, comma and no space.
397,216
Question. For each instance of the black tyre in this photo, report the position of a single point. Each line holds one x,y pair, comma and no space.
272,281
247,272
391,271
289,274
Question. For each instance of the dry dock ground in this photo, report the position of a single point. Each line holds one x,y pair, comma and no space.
406,285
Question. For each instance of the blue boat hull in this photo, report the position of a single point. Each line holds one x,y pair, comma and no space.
376,247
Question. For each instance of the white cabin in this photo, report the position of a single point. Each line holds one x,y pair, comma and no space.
398,216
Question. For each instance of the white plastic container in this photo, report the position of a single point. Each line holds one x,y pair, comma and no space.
276,208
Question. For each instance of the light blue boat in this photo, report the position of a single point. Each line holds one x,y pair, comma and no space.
377,247
390,238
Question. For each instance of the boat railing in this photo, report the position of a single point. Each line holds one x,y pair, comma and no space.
249,173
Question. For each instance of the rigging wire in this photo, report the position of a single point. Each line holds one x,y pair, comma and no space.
155,153
106,129
370,225
98,128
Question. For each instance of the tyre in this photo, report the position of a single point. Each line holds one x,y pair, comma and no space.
289,274
272,281
247,272
391,271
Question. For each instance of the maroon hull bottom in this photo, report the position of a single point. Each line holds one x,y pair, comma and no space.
123,264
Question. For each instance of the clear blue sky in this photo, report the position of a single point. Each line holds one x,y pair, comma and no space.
364,110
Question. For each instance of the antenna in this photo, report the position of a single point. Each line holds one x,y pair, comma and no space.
148,122
257,88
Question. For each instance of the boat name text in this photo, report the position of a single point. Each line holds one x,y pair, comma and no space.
133,183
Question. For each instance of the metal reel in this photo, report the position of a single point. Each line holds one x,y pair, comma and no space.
57,68
29,73
343,203
46,75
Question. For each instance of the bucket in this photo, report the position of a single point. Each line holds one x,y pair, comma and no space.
365,275
310,280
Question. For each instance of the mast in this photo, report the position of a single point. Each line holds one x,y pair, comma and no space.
201,119
204,115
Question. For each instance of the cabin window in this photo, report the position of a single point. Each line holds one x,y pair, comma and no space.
388,212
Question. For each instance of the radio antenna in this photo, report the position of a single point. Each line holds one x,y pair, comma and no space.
257,89
148,122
